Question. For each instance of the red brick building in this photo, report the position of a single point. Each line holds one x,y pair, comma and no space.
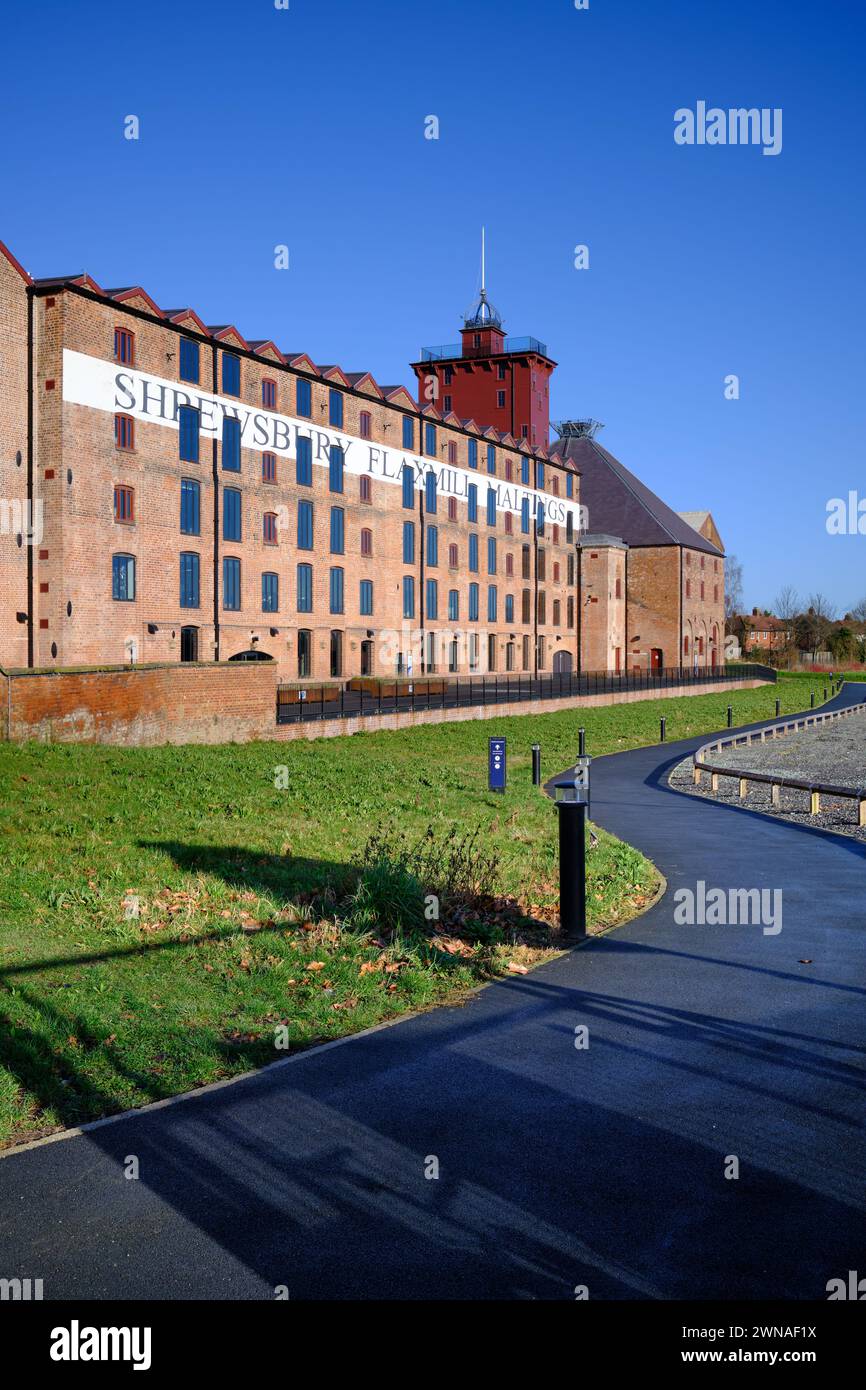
172,491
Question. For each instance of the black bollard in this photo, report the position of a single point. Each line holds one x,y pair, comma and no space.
581,743
778,708
662,727
730,716
572,868
536,764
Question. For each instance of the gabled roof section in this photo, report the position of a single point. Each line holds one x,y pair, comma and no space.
263,347
334,374
364,382
508,441
189,317
87,282
451,419
619,504
430,411
227,333
138,298
301,362
5,252
398,395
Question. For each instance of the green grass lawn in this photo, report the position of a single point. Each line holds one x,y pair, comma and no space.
250,918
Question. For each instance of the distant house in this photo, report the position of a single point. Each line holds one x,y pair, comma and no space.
762,631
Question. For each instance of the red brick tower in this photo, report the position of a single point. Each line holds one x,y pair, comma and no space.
488,378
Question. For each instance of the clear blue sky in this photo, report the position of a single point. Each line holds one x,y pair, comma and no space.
306,127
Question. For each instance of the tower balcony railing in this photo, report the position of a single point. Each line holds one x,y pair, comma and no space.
444,351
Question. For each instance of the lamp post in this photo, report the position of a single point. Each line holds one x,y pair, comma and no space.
572,795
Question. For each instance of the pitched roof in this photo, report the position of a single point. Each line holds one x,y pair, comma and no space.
621,505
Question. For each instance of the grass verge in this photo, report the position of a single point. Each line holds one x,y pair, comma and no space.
170,915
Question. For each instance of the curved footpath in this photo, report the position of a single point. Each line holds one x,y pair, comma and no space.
558,1166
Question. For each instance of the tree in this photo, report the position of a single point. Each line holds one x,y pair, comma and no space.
733,586
841,643
858,612
814,626
787,603
787,606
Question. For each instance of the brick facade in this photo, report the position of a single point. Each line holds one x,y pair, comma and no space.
95,437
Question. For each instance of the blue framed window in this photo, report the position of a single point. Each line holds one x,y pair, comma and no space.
509,608
491,603
569,484
524,516
365,603
539,474
123,578
432,599
430,439
335,410
408,542
408,432
304,400
335,468
305,525
305,588
453,605
188,433
491,555
473,552
231,584
408,485
231,374
270,593
189,360
472,502
473,603
232,444
304,460
524,470
473,453
408,596
335,589
432,545
190,565
232,519
491,506
539,517
338,531
430,494
491,458
190,507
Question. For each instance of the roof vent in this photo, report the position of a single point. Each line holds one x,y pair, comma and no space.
577,429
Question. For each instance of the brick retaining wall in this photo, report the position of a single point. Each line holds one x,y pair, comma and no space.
225,704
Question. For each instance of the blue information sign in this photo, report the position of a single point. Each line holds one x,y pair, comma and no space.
496,764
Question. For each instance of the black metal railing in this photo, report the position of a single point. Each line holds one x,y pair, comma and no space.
404,695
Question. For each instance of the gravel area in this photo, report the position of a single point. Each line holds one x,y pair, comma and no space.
834,752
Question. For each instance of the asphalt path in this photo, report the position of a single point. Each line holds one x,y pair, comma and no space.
559,1167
